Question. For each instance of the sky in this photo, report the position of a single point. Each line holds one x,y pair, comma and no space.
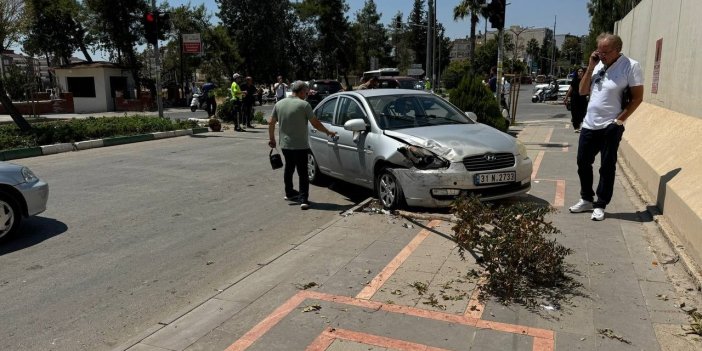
571,16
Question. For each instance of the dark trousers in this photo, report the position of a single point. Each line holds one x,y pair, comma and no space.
296,159
604,141
577,115
236,114
247,113
211,106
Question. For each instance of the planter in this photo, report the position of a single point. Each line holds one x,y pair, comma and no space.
215,125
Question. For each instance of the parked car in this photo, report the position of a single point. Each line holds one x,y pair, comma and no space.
413,147
22,194
319,89
399,82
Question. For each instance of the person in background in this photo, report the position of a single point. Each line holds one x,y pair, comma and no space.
279,89
578,103
293,115
371,83
608,75
249,99
210,103
237,96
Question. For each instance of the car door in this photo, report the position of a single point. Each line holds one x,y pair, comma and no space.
350,151
319,142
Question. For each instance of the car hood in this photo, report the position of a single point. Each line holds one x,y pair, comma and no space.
456,141
10,173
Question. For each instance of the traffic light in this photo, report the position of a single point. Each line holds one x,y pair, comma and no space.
496,13
164,22
151,27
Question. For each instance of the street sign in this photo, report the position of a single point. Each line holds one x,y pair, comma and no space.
415,72
416,65
192,44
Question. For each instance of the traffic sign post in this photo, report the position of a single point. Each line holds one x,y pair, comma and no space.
192,44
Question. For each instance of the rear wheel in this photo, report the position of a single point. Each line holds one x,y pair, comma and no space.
10,216
388,190
313,173
193,108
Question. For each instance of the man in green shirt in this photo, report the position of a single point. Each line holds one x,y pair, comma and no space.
236,99
293,113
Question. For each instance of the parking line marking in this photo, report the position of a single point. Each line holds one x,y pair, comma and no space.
380,279
366,339
475,308
549,134
537,164
559,201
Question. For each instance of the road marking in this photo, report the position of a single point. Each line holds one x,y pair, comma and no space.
537,164
327,337
380,279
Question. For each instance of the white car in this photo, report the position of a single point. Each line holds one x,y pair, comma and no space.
22,194
415,148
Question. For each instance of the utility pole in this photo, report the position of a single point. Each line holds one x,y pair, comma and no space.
429,71
157,63
553,51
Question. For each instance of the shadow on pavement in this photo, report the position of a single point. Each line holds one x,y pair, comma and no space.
638,216
33,231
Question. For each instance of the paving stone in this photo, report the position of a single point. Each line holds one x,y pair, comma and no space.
490,340
574,341
345,345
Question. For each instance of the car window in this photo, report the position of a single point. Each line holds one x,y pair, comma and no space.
325,113
349,109
408,111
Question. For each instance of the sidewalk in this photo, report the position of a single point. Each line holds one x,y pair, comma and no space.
358,282
7,118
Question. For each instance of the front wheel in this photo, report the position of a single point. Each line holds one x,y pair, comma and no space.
193,108
534,98
388,190
10,216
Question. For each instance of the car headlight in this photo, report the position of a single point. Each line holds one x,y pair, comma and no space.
28,175
423,158
522,150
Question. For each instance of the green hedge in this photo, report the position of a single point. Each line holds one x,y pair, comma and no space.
472,95
69,131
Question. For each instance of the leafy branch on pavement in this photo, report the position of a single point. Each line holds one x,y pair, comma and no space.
696,325
513,240
610,334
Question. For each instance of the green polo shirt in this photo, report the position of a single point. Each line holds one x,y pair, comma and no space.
293,115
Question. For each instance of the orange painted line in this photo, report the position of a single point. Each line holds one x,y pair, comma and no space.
266,324
322,342
475,307
559,201
375,340
384,275
543,345
548,135
537,164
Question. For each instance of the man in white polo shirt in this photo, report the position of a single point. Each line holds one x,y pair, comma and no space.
608,74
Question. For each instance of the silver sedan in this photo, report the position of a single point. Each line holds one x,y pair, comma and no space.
415,148
22,194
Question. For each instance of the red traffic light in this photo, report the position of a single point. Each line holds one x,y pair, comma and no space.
150,17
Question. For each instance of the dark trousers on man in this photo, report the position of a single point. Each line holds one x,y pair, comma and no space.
296,159
236,115
606,142
247,114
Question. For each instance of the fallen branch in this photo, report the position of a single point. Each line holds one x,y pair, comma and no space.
426,216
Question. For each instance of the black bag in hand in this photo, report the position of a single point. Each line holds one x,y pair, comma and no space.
276,160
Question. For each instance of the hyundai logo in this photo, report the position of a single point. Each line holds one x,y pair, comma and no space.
490,157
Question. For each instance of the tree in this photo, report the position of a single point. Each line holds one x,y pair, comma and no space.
572,50
333,33
603,14
117,25
258,28
372,39
474,9
45,16
533,50
546,52
12,24
400,39
418,32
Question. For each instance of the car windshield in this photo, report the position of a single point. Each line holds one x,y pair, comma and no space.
409,111
327,87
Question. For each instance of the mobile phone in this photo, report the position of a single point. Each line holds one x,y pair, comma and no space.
597,57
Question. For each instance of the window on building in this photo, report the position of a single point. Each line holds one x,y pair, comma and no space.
81,86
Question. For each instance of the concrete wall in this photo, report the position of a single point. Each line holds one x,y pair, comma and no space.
102,101
663,139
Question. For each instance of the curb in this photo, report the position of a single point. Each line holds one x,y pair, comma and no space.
14,154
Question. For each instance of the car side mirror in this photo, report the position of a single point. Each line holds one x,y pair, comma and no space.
473,117
356,125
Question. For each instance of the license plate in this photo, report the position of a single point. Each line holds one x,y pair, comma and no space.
497,177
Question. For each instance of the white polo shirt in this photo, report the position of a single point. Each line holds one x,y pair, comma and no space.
607,90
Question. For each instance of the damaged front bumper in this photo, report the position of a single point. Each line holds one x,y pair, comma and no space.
440,187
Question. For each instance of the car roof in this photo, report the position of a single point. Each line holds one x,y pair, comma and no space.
382,92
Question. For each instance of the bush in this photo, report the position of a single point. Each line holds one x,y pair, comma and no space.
69,131
517,255
225,111
472,95
259,118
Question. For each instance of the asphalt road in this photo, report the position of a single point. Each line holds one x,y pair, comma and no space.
137,234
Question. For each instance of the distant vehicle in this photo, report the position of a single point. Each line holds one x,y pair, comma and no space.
400,82
321,88
561,83
22,194
383,72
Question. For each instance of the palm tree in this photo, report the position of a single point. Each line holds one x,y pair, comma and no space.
474,9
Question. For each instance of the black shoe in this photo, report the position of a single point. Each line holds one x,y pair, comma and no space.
238,129
293,196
